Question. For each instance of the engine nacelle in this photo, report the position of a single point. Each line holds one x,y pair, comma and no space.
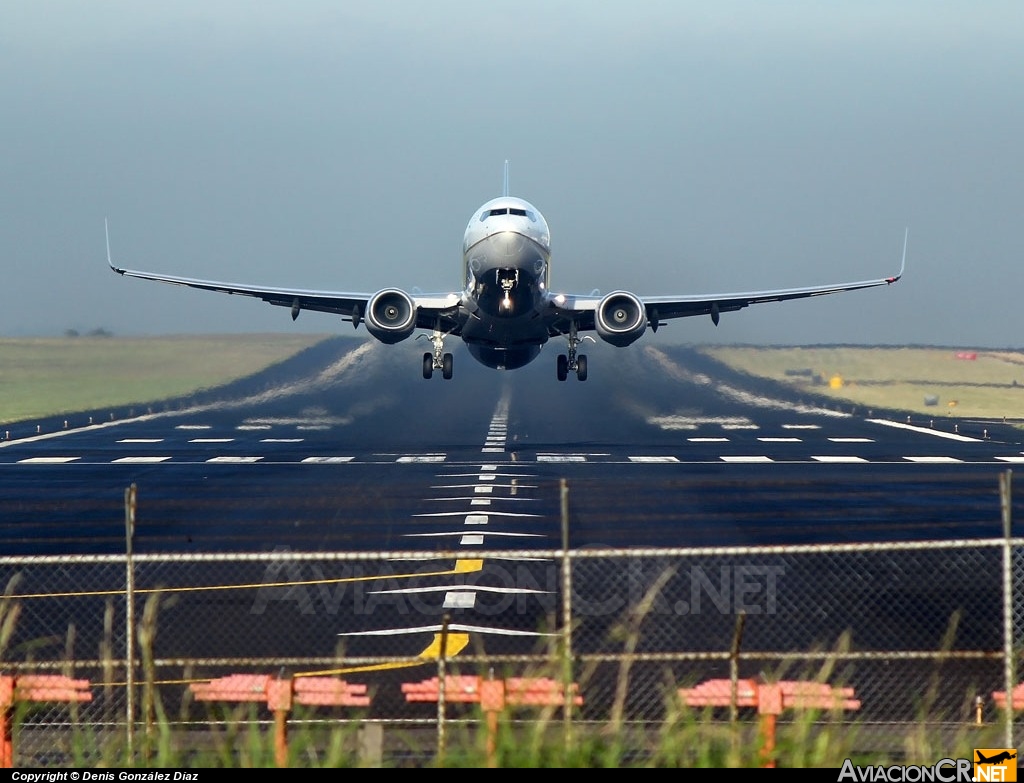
620,318
390,315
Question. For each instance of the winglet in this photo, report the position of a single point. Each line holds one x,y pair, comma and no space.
903,260
504,187
106,229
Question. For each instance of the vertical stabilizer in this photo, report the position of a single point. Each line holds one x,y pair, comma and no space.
504,187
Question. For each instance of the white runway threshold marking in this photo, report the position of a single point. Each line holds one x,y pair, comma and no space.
925,430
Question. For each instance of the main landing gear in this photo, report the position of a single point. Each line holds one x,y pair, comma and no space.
573,362
438,360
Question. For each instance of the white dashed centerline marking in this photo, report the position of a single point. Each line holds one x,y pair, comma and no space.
780,440
193,427
838,459
932,459
326,460
471,540
281,440
141,460
459,600
654,459
1010,459
141,440
46,460
235,460
212,440
423,458
746,459
852,440
708,440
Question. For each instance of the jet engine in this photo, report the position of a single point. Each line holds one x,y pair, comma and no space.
390,315
620,318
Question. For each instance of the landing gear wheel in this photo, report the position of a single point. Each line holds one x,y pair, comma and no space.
581,367
446,367
563,366
428,365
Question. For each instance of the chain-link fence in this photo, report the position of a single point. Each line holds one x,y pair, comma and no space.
921,632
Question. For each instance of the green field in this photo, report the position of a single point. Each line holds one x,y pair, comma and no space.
931,381
49,376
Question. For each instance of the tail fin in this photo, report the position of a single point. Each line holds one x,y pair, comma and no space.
504,188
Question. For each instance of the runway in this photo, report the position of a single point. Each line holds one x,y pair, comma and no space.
352,451
358,452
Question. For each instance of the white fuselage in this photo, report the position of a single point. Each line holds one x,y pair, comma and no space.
506,261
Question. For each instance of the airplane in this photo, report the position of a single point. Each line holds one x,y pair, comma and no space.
996,759
507,310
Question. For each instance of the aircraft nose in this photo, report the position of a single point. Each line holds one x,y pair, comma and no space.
507,243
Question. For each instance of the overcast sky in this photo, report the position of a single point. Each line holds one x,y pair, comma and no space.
674,147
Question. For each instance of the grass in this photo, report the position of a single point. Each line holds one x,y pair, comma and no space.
990,385
50,376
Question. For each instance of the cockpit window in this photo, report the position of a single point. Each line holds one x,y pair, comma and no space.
508,211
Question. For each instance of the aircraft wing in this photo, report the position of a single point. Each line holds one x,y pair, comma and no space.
350,305
660,308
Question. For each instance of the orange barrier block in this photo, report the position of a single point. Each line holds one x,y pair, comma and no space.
770,699
1016,698
33,687
280,695
493,696
328,691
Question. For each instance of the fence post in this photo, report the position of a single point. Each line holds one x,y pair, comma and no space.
566,616
129,532
441,678
1010,668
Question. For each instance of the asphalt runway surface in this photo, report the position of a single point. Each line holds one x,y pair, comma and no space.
347,449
